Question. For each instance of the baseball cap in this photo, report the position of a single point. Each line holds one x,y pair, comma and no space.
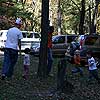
77,52
18,21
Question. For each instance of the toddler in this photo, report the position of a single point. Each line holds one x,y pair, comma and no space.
77,63
26,63
93,72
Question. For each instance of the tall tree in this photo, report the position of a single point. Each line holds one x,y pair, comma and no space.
82,17
42,67
59,18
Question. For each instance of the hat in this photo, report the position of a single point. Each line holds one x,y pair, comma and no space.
77,52
18,21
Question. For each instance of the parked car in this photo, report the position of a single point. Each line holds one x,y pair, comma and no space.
90,42
3,37
59,47
28,39
34,50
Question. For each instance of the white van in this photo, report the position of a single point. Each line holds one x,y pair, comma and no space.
3,38
28,38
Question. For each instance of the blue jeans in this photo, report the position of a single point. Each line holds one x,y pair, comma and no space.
50,60
10,59
77,69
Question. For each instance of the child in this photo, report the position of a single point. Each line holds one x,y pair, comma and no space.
26,63
92,67
77,63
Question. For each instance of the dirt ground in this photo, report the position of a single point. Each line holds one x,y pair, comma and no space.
35,89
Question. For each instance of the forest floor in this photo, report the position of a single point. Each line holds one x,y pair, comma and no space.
35,89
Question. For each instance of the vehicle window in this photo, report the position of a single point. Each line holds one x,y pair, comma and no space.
60,39
70,38
1,33
30,35
24,35
36,35
90,40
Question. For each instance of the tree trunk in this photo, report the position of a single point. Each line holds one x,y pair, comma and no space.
93,28
93,22
90,26
82,17
59,18
42,67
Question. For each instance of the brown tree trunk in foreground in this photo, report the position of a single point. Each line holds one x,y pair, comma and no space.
42,67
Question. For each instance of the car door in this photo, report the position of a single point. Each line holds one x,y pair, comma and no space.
59,45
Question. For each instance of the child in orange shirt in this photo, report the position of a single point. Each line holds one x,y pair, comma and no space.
77,63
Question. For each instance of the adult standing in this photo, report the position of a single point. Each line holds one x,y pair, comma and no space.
50,58
13,41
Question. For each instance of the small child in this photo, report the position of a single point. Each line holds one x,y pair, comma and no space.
77,63
93,72
26,63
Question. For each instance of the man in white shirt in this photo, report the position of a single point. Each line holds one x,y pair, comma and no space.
14,37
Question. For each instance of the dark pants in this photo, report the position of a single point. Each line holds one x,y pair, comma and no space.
10,59
94,74
50,61
77,69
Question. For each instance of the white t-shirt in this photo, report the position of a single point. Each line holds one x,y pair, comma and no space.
26,59
92,64
13,35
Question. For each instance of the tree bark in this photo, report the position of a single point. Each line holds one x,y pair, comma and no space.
82,17
90,26
42,67
59,18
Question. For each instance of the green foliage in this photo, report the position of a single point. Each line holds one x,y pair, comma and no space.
70,15
31,13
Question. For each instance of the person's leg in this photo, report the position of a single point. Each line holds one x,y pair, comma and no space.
26,71
90,75
6,63
50,61
13,59
76,69
95,75
81,71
